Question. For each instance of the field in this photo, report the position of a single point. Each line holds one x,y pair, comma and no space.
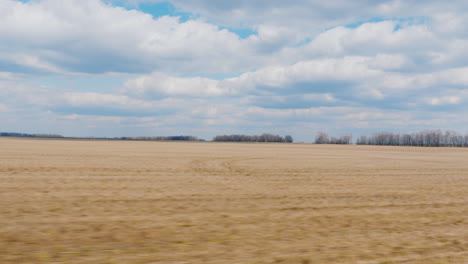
171,202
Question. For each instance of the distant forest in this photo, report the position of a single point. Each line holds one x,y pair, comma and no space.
427,138
14,134
260,138
168,138
224,138
323,138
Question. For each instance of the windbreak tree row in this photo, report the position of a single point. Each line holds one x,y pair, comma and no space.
323,138
255,138
14,134
168,138
428,138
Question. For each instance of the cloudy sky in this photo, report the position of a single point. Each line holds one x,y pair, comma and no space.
208,67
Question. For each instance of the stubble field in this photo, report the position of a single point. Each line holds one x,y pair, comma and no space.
161,202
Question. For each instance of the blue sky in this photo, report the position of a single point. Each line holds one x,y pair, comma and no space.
209,67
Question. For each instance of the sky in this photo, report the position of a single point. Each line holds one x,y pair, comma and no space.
210,67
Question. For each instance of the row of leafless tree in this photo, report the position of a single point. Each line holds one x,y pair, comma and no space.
428,138
255,138
323,138
14,134
168,138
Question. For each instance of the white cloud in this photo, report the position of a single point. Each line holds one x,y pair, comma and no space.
119,105
89,36
445,100
449,24
371,39
4,108
108,100
6,76
151,85
457,76
33,62
389,62
311,63
321,12
280,77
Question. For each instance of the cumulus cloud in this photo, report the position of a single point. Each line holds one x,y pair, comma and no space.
368,36
309,17
93,37
310,65
354,76
90,36
270,78
6,76
3,108
158,83
445,100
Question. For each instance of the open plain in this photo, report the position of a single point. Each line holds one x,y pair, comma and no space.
177,202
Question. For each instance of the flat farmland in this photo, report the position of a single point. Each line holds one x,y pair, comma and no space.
174,202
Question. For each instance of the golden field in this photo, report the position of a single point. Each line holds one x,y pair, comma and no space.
173,202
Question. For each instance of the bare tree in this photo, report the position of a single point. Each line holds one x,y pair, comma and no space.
362,140
427,138
322,138
255,138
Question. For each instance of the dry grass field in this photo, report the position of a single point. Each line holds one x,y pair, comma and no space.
161,202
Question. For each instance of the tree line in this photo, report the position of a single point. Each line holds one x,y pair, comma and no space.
159,138
156,138
323,138
14,134
255,138
427,138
